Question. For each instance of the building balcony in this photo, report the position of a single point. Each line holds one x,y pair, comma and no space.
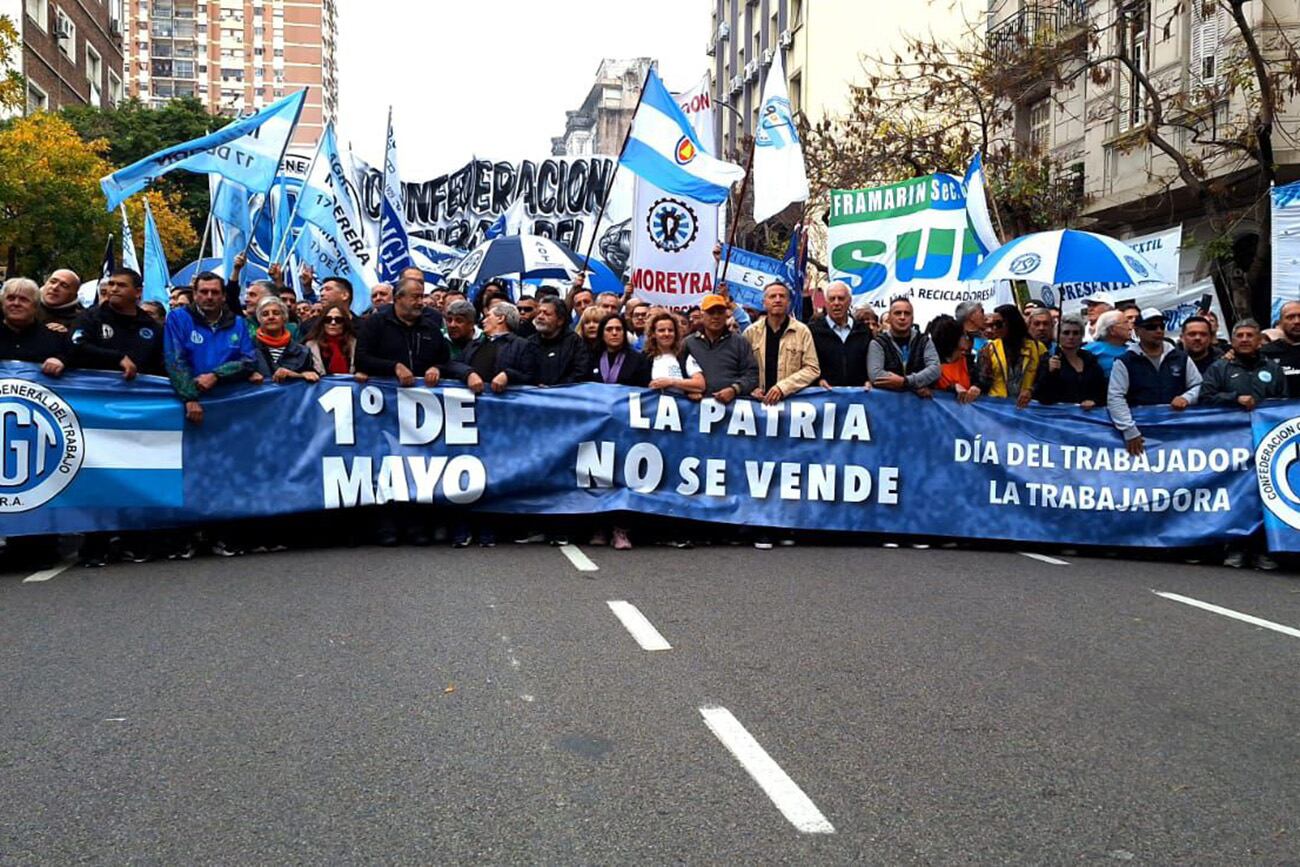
1041,25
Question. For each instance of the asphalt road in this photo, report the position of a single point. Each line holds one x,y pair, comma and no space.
439,706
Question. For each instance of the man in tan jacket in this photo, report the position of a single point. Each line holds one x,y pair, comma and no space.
783,347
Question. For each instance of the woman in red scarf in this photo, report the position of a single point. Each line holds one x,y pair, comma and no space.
278,357
333,342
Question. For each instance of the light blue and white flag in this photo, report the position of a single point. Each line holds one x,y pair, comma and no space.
779,174
247,151
129,258
326,202
230,208
157,277
665,150
511,221
977,204
394,246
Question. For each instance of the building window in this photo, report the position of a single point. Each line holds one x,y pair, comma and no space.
1207,44
796,94
37,100
1040,126
66,32
1135,33
38,11
94,66
183,69
796,13
114,89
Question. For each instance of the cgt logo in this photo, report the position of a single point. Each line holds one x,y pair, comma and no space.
1276,458
41,445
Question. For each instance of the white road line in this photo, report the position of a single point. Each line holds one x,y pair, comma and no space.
784,792
642,629
47,574
1228,612
1043,558
580,561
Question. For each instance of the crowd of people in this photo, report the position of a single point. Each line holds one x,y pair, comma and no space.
1112,354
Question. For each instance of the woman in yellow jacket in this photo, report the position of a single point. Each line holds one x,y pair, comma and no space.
1009,361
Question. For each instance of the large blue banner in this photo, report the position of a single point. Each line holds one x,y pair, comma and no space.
92,452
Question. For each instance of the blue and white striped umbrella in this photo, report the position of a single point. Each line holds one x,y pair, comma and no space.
518,255
1067,256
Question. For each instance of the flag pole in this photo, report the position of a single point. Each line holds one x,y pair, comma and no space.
802,259
740,206
311,167
595,228
203,242
252,232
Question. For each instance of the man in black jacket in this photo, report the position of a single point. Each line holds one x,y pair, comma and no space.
562,354
58,304
117,334
400,341
841,341
498,356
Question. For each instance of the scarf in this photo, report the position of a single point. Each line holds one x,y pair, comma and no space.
277,342
334,356
609,371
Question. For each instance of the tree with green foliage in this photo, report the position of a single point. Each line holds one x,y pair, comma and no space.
52,208
134,131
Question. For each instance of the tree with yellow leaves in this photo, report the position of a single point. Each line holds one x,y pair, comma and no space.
11,82
51,205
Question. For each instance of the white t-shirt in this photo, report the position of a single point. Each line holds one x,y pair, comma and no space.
668,367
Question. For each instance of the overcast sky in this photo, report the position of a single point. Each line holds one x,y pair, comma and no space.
493,78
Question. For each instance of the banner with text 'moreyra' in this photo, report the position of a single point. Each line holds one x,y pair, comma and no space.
673,236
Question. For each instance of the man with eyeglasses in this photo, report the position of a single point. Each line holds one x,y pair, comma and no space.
527,308
1152,373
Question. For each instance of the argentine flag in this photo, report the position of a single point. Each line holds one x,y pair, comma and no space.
664,150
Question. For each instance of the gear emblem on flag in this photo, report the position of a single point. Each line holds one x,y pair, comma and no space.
672,225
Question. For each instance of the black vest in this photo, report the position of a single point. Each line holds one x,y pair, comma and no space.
894,358
1150,387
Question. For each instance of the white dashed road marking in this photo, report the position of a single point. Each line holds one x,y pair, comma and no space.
1043,558
580,561
784,792
47,574
642,629
1228,612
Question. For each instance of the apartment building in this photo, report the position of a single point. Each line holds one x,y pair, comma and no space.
235,56
71,51
1086,122
824,43
597,127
